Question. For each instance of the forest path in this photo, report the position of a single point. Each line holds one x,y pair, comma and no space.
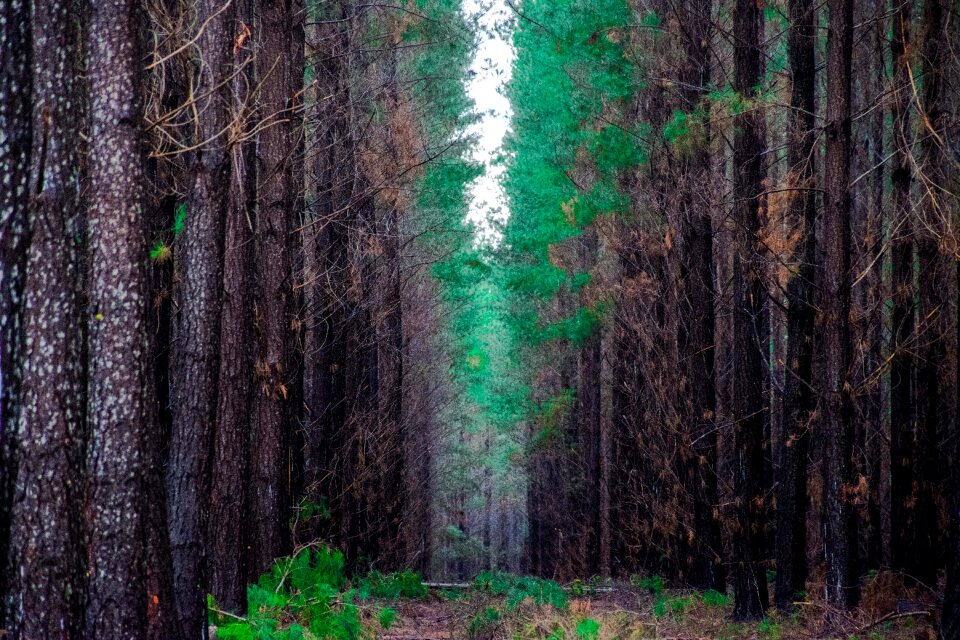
431,620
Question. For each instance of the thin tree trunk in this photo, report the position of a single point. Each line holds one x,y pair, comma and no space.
936,290
696,328
196,345
902,450
228,516
16,130
840,517
47,535
748,405
791,487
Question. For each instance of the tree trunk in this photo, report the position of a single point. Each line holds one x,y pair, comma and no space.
196,344
902,419
228,515
16,88
791,487
47,536
748,405
116,604
840,517
696,321
934,403
276,219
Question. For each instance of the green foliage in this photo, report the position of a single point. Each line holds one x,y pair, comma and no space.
387,617
588,629
675,607
484,622
713,598
301,596
520,588
654,584
180,219
402,584
770,629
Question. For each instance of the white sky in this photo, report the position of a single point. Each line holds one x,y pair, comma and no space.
490,70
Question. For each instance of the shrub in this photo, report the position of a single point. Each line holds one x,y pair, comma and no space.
301,596
402,584
516,589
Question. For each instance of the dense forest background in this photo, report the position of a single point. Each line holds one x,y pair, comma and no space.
245,310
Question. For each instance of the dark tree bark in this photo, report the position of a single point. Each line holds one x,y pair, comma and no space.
47,534
228,515
748,405
902,419
16,88
791,487
326,263
116,605
277,191
195,354
935,383
840,517
696,318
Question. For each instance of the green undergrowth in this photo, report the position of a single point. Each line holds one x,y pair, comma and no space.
308,597
517,589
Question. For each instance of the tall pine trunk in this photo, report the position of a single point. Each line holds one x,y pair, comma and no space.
47,536
697,327
936,289
902,421
228,515
748,405
791,488
116,605
196,341
277,192
840,517
16,88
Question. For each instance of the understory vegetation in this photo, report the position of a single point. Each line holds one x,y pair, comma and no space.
308,596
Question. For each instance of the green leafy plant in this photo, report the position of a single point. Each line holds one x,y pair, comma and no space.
301,596
484,622
520,588
402,584
713,598
653,584
387,617
588,629
675,607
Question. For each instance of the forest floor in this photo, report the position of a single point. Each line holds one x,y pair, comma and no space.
630,613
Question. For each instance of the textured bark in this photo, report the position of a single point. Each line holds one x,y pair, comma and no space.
47,538
194,359
840,517
325,251
902,418
116,606
696,318
791,488
228,516
280,83
393,433
937,289
748,405
16,88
